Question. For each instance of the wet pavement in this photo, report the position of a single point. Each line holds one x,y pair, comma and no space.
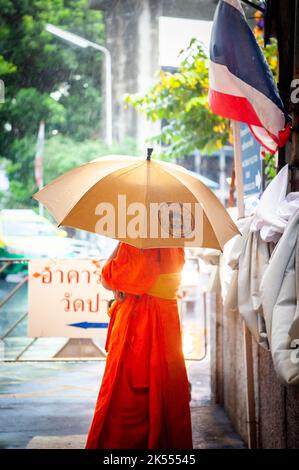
50,405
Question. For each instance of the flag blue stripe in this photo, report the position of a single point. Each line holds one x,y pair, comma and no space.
234,45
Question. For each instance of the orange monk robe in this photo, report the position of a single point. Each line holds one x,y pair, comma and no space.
144,396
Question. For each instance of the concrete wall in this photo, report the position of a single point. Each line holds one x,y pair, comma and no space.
277,405
122,38
234,372
279,408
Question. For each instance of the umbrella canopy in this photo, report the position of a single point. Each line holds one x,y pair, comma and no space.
146,203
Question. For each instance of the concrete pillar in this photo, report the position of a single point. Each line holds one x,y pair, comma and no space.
132,38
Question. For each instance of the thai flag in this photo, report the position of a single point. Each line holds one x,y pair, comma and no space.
242,87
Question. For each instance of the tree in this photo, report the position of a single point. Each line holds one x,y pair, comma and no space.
180,101
61,154
46,78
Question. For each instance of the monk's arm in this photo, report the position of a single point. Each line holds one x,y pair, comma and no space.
104,283
111,257
132,270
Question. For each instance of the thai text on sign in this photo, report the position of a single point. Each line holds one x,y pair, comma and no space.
66,298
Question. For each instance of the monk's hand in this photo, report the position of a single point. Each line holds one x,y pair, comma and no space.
119,295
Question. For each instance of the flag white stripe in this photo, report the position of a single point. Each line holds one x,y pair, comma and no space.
222,80
262,135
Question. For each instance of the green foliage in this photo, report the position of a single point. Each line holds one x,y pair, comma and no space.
61,154
180,100
35,60
20,171
46,78
6,67
28,107
270,167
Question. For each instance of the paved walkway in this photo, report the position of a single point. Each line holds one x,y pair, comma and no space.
50,405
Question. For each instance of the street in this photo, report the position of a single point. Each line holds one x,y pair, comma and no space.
149,220
50,405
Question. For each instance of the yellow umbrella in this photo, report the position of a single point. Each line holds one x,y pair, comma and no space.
144,202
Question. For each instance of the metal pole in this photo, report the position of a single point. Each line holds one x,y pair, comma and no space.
238,167
108,99
222,179
108,88
82,42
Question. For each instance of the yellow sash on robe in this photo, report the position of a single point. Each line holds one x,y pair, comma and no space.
166,286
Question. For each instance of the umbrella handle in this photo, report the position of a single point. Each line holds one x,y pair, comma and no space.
149,153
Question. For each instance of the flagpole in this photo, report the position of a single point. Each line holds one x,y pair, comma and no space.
247,337
238,167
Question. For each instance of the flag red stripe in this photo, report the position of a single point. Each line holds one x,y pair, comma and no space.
233,107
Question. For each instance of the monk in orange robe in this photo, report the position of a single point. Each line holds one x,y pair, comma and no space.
143,401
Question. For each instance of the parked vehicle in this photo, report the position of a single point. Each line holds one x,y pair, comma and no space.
25,234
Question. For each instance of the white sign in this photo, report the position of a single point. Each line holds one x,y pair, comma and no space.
66,298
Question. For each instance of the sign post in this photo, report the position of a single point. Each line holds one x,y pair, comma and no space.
251,162
238,167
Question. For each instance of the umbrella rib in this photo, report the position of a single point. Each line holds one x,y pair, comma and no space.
174,176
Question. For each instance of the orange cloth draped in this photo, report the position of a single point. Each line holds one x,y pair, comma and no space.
144,396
